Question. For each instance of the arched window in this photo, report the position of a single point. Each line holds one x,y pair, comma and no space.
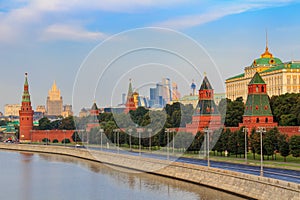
257,88
257,120
262,89
267,120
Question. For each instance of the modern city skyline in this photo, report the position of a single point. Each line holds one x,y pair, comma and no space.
50,40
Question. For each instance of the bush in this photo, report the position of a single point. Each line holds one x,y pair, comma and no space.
65,141
55,141
46,140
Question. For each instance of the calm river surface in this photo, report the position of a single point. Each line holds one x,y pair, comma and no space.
28,176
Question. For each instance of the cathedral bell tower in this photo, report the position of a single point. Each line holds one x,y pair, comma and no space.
26,115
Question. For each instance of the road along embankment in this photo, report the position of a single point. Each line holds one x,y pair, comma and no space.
250,186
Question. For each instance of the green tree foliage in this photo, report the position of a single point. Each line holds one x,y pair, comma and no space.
295,145
76,137
44,124
286,109
67,124
66,141
46,140
232,111
284,150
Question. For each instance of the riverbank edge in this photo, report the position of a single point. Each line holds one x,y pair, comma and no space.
245,185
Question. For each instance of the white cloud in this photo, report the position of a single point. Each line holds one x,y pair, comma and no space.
69,32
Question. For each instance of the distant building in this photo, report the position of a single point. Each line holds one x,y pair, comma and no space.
67,111
54,101
193,99
12,109
84,112
41,108
175,92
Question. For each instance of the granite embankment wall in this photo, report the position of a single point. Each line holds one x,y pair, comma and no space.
243,184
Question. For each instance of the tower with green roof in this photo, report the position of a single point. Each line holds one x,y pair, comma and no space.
26,114
257,109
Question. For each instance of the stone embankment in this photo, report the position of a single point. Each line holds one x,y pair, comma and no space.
250,186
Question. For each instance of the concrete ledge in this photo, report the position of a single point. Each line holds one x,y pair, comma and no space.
250,186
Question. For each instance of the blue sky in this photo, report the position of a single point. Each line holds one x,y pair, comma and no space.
51,39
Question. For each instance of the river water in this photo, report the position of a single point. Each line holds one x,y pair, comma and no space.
28,176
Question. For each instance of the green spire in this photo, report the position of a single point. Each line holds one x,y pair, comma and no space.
26,95
257,79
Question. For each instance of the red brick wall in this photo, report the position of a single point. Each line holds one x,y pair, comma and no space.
39,135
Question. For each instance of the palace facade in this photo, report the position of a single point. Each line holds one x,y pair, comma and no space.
281,77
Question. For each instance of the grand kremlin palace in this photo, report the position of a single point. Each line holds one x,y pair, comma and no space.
280,77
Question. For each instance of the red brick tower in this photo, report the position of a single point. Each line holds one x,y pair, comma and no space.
257,109
93,117
206,114
26,115
130,103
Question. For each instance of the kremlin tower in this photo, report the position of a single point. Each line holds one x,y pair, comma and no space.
131,102
257,109
93,117
206,114
26,115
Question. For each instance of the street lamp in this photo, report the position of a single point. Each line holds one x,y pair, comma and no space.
167,131
173,141
140,149
130,131
245,130
101,132
64,137
207,131
261,130
150,131
117,134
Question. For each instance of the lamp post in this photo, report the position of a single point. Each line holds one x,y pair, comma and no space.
101,133
167,131
207,131
245,130
150,131
261,130
64,137
117,135
173,141
130,131
140,149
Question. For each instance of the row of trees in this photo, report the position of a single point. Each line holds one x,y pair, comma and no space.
285,109
60,124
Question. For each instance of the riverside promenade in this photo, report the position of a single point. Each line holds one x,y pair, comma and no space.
246,185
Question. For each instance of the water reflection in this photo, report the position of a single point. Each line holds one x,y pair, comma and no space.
46,176
143,181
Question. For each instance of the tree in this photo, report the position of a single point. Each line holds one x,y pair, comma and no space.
295,145
284,150
67,124
44,124
286,109
234,111
66,141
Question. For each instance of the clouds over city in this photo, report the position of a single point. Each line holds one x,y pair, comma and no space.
42,20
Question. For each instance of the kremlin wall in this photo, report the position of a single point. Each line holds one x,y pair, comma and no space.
257,111
27,134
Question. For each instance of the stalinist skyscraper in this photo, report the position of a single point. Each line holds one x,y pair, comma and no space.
54,101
